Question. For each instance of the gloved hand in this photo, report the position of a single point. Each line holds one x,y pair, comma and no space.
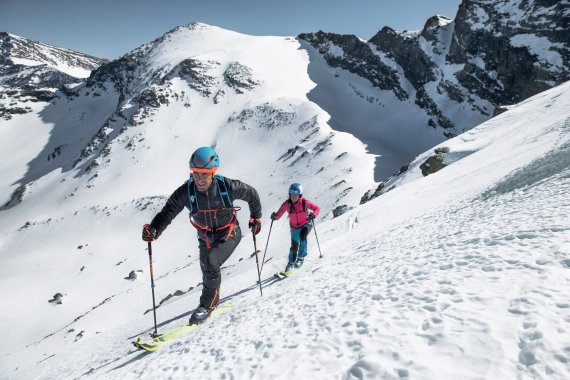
274,216
255,225
311,217
149,233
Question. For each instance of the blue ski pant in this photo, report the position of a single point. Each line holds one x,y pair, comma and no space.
299,242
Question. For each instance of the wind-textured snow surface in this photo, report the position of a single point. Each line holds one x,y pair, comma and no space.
461,274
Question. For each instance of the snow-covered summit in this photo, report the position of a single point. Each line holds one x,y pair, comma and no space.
18,50
32,72
437,21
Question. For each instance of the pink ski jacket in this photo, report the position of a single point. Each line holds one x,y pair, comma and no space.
298,215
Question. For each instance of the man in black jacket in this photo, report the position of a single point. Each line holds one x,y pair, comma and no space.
209,198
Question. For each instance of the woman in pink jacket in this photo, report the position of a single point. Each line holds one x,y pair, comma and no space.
300,220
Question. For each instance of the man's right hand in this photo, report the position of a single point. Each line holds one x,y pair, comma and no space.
273,216
149,233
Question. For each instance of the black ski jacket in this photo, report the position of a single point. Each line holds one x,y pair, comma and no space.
211,200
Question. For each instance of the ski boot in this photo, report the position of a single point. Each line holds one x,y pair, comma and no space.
289,267
199,315
299,262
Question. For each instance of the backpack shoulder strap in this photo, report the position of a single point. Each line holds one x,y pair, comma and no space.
304,204
223,189
192,201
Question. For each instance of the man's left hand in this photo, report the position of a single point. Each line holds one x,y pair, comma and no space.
255,225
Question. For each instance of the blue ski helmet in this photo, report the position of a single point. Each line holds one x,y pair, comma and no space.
296,189
204,160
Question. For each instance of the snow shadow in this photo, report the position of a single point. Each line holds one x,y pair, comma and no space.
392,130
81,127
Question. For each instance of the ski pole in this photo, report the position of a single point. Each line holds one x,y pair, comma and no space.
257,262
155,333
320,253
268,236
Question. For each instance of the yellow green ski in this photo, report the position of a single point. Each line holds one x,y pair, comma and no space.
169,335
292,271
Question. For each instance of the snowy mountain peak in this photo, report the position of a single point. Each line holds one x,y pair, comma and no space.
200,85
32,72
196,26
189,52
17,50
436,22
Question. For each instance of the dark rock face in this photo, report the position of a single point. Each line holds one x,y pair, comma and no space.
239,77
195,72
432,27
41,76
7,113
435,162
426,102
494,53
150,98
503,38
417,66
371,194
357,57
120,73
339,210
57,298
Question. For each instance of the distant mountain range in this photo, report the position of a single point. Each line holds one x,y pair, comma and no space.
399,92
449,76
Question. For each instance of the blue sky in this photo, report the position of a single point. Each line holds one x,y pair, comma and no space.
111,28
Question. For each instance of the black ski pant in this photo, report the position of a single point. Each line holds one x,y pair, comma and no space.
211,260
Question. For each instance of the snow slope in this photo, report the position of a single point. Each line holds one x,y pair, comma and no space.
461,274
